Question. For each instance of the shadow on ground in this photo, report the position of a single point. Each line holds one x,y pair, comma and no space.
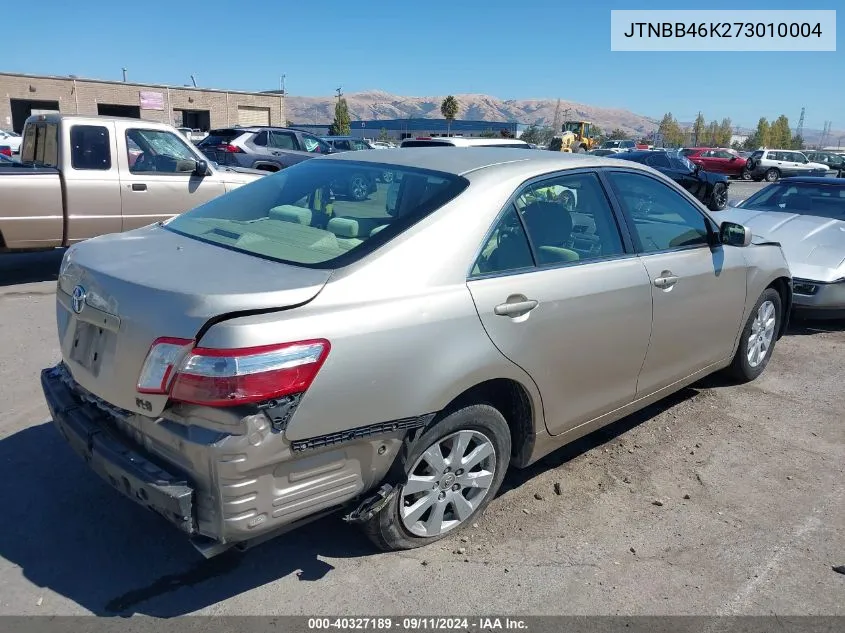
25,268
808,327
69,532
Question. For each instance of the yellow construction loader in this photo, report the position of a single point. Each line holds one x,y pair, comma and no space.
575,136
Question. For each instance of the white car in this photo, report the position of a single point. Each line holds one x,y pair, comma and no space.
772,164
11,140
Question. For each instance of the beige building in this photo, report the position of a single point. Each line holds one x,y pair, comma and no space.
203,108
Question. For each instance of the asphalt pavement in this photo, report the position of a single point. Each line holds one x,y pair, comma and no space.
721,500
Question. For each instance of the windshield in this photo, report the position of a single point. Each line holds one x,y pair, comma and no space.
820,200
320,213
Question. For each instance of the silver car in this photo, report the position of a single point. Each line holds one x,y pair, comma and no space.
277,354
807,216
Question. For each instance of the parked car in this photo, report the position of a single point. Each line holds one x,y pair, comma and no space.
82,176
604,152
835,162
5,150
718,161
265,148
622,145
258,364
12,140
771,164
346,143
710,188
383,145
461,141
807,216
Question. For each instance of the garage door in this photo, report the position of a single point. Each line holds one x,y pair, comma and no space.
251,115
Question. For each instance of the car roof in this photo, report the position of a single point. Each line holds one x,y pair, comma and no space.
466,141
510,161
814,180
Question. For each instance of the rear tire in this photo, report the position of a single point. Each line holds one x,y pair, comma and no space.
760,333
745,175
483,428
772,175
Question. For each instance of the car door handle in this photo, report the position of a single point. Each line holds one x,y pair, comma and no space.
139,186
515,308
666,280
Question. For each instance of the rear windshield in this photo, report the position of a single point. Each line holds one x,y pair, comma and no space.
320,213
220,137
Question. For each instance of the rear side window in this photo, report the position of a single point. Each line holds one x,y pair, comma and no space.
658,160
320,214
90,147
426,144
40,145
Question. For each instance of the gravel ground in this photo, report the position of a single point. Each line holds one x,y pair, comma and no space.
720,500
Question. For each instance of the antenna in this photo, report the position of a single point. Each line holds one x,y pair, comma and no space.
124,75
193,81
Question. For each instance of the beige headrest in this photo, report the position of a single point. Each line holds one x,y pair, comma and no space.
344,227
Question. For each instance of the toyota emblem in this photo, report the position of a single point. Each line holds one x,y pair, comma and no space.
77,299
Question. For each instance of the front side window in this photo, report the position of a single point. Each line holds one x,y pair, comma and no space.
160,152
321,214
90,147
314,145
359,145
40,145
662,218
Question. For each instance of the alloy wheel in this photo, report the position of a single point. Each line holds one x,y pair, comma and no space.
762,333
447,483
358,187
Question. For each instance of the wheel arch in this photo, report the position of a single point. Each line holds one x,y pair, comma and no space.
514,401
783,286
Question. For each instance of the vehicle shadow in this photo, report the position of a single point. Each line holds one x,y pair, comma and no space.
810,327
516,478
71,534
31,267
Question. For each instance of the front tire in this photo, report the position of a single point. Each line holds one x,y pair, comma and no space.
745,175
772,175
452,472
719,197
758,338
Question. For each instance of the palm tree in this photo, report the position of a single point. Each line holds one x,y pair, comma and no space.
449,109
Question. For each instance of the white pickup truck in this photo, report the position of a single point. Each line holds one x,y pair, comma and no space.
83,176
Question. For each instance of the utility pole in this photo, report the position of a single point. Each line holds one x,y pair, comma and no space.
282,84
339,91
556,120
799,131
124,75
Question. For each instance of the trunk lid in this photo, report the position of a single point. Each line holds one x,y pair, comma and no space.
132,288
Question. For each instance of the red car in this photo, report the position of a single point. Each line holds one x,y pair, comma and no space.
719,161
6,150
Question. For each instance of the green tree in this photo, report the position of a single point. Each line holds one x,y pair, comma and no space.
670,130
546,135
780,136
737,145
618,135
340,125
724,133
449,109
531,134
797,142
382,135
762,137
506,133
289,123
488,134
698,128
710,134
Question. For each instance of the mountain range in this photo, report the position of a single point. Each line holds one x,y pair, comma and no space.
378,104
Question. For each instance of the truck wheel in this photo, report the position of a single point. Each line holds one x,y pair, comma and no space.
452,471
772,175
758,338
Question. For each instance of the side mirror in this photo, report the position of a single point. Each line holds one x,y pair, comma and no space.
201,169
733,234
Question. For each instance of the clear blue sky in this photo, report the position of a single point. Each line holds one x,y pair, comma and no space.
525,49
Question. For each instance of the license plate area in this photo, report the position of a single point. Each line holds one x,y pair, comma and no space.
87,346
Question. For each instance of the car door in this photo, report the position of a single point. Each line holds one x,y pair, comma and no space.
160,181
562,297
706,161
698,291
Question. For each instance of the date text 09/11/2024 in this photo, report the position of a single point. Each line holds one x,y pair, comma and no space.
416,624
723,29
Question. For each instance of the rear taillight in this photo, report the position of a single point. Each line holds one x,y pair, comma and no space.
229,377
6,151
230,149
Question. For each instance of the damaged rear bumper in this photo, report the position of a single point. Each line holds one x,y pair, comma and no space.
116,461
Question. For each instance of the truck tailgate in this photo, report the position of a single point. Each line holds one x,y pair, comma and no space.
31,208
